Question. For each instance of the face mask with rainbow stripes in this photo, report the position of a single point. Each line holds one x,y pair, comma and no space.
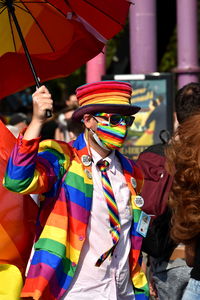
110,136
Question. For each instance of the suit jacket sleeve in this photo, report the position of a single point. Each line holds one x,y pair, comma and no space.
36,168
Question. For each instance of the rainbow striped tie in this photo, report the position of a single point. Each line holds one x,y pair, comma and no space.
112,209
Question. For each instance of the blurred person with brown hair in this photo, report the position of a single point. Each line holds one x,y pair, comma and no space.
183,162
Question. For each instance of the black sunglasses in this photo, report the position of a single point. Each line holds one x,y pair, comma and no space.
116,119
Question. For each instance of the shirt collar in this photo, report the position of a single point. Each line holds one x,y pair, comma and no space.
111,158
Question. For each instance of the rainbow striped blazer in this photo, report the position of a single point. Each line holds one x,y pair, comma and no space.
55,170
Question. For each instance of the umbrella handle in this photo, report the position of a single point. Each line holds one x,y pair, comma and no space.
11,9
48,113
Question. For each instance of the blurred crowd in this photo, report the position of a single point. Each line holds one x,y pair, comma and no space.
17,114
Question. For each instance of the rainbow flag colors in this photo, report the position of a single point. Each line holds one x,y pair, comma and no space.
64,214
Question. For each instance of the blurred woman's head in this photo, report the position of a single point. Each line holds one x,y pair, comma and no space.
183,162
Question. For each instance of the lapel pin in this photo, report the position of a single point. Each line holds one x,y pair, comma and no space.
133,182
139,201
86,160
88,173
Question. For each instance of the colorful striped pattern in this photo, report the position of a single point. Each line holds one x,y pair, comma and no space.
138,276
111,136
64,216
112,210
105,96
104,92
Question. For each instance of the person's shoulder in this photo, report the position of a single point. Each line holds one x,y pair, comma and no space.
55,145
127,162
135,172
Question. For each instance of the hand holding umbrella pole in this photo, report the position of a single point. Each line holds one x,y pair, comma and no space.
11,9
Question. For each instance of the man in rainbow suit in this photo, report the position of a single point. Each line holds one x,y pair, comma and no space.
88,239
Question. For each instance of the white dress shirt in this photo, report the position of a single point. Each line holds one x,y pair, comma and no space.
110,281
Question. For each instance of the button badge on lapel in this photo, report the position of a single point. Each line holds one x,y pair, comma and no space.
86,160
139,201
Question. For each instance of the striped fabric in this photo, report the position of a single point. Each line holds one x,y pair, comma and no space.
111,136
105,96
112,211
104,92
65,212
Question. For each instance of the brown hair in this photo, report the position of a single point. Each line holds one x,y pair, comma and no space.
183,162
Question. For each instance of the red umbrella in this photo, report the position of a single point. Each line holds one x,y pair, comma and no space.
56,36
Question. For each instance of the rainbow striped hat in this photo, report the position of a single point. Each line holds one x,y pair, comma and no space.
105,96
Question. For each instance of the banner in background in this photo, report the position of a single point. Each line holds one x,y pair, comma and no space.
154,94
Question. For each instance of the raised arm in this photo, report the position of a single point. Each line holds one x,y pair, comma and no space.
35,167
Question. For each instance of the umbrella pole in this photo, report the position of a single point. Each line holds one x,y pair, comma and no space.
12,11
